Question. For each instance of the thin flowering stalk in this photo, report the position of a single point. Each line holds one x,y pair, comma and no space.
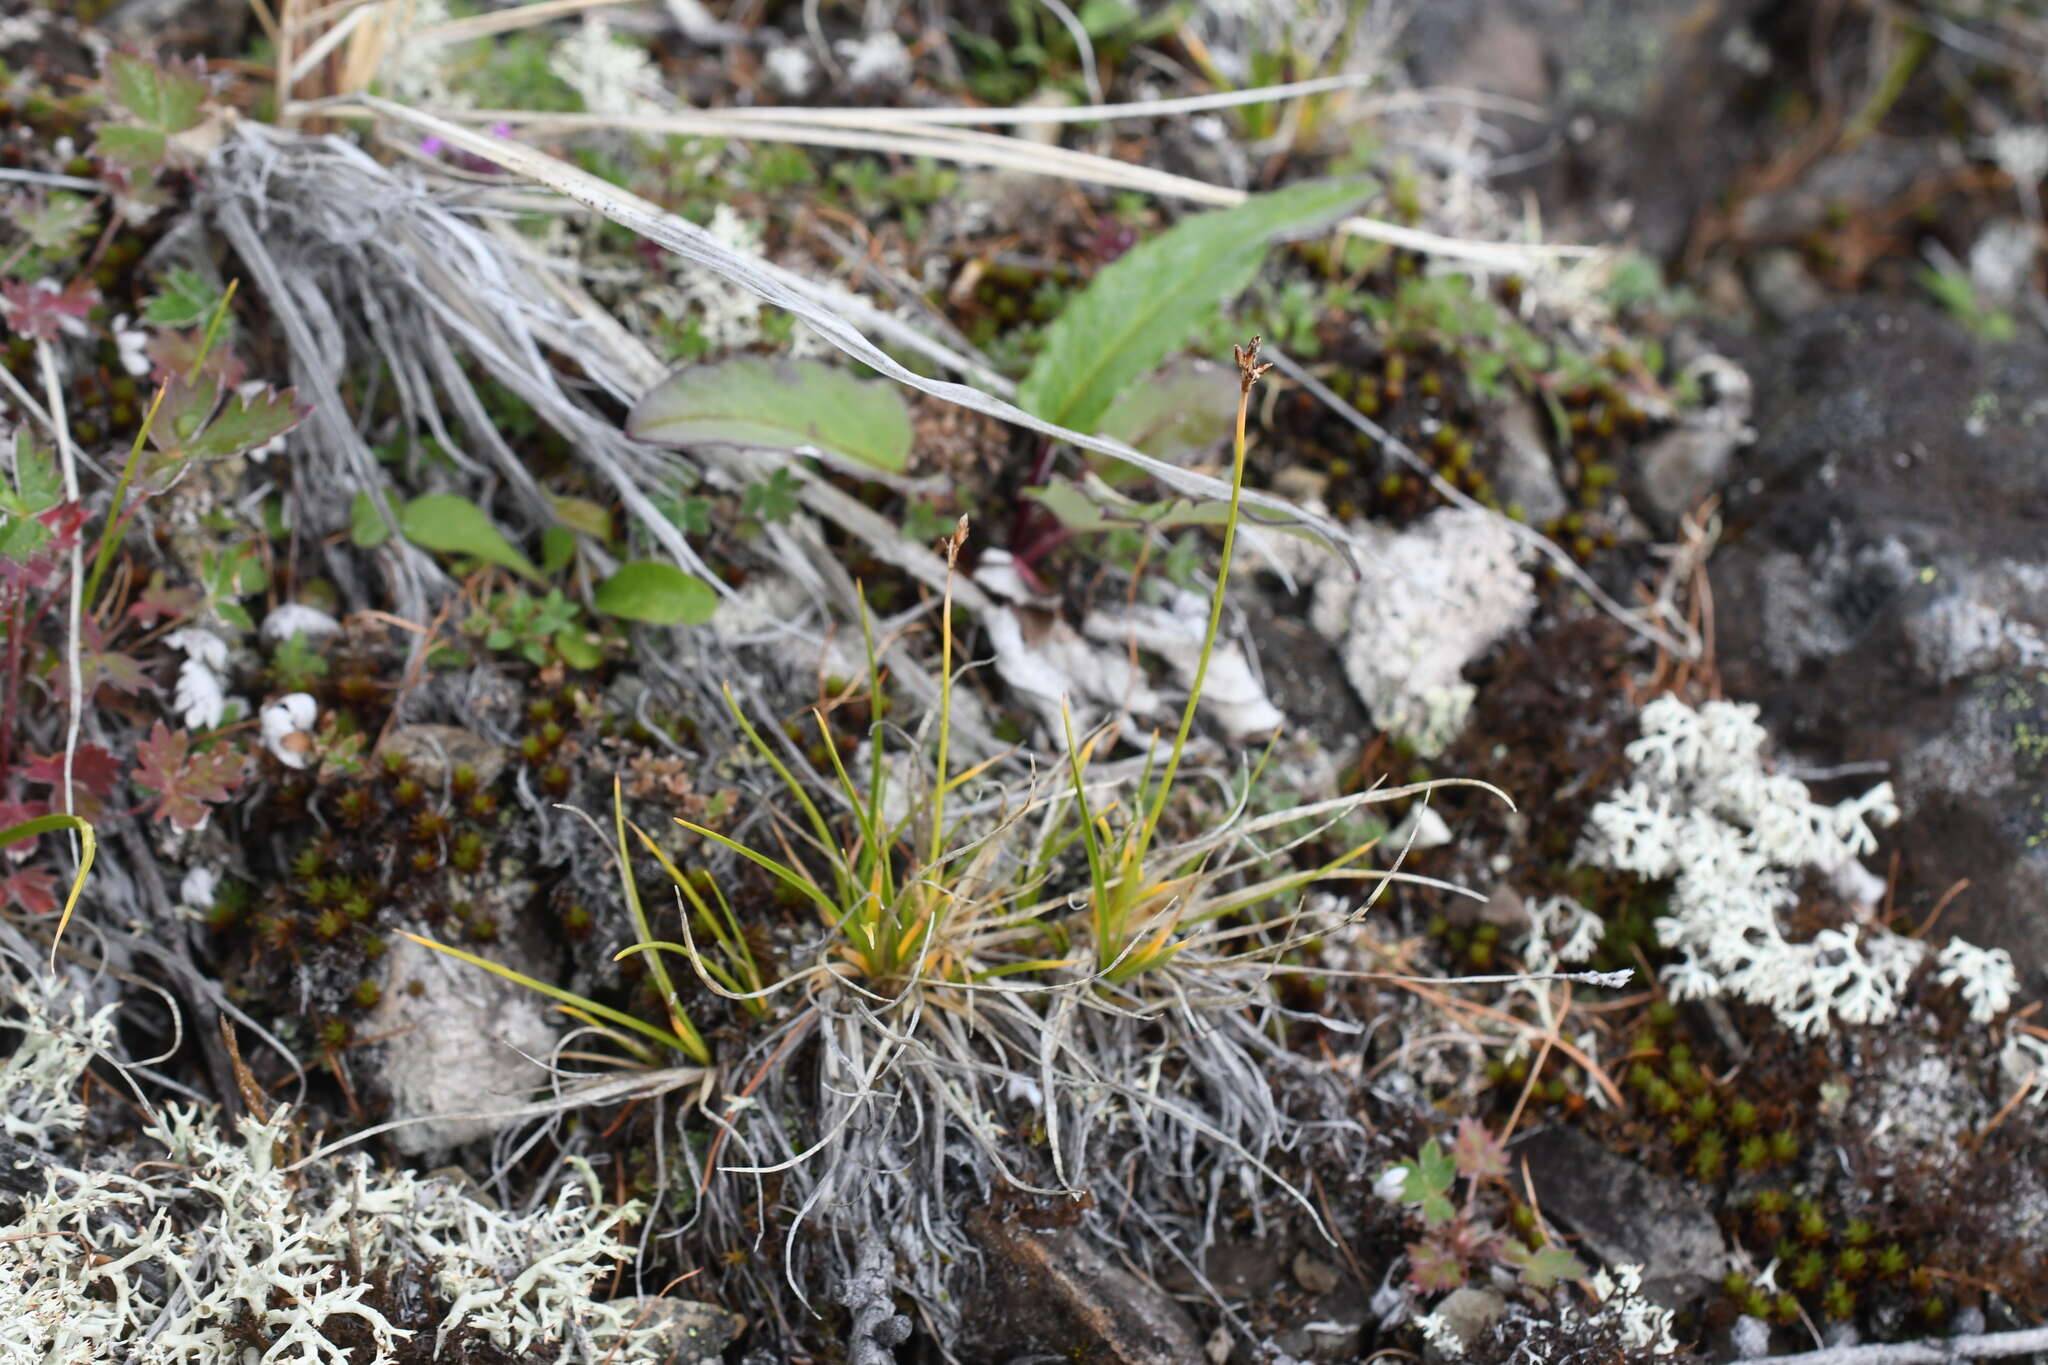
1249,371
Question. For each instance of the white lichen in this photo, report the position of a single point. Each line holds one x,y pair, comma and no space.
612,76
1704,811
1983,976
178,1248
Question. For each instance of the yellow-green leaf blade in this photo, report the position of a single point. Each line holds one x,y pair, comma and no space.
768,405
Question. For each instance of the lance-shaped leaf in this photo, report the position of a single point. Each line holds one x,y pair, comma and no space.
1148,302
756,402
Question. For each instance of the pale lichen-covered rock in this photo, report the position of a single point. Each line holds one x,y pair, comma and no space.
458,1049
1433,598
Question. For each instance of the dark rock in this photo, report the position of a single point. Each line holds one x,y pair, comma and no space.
1050,1290
1651,101
1624,1214
1882,590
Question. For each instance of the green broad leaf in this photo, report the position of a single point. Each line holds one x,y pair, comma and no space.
785,405
246,423
38,485
1183,409
1429,1179
366,529
183,414
1542,1270
578,649
165,101
770,499
1101,18
57,226
454,525
557,548
659,594
1141,307
187,300
132,147
21,538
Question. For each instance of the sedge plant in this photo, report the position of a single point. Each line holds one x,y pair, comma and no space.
1143,897
969,1015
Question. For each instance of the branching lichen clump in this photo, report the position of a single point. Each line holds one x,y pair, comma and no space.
196,1245
1703,811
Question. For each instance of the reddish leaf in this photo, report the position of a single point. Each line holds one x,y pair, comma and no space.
13,813
35,572
161,603
33,311
102,666
249,421
184,411
174,353
1477,1153
93,772
185,782
1433,1266
91,767
33,889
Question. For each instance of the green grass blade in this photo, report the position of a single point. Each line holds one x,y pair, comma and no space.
678,1017
88,846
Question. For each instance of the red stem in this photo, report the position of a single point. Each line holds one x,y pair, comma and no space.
13,680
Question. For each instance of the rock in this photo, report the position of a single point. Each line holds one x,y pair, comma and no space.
454,1038
1505,908
1624,1214
1435,596
1879,592
1519,465
1050,1290
1972,791
433,752
1751,1338
1316,1276
2002,261
1782,286
1680,467
1467,1314
688,1331
1421,828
